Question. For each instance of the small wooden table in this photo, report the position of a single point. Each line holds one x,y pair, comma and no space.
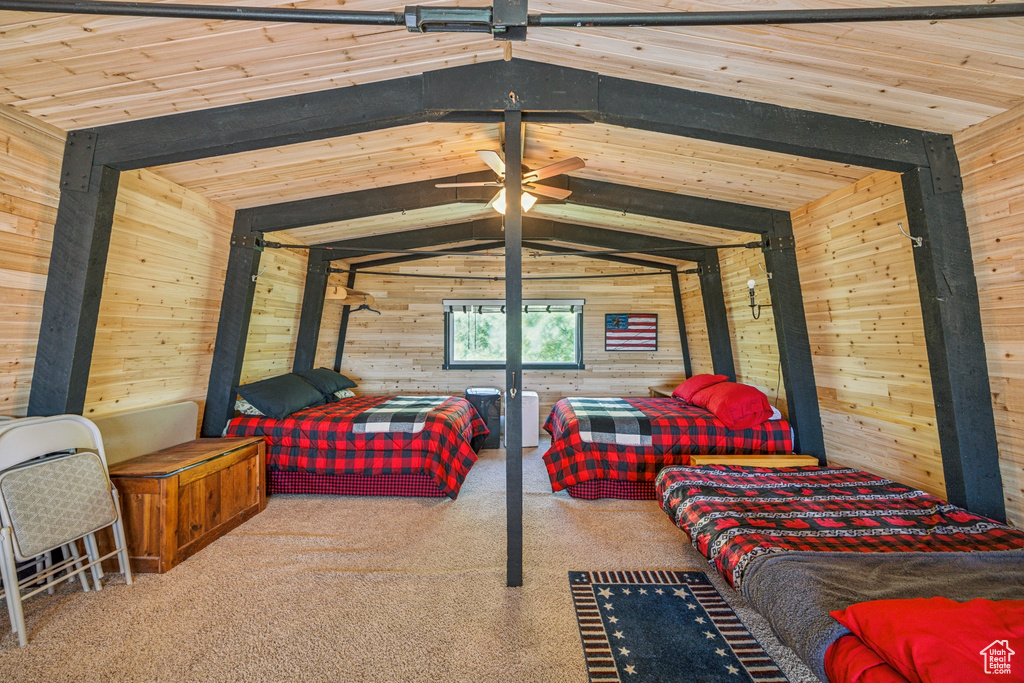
176,501
661,391
756,460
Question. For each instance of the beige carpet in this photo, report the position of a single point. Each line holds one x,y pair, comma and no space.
363,589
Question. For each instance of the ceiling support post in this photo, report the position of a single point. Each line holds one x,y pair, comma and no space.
677,298
78,260
514,348
953,336
794,346
233,325
312,310
346,311
710,272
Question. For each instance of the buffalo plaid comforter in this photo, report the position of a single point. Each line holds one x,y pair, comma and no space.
677,430
323,439
736,514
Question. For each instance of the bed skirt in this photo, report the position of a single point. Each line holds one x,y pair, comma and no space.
613,488
421,485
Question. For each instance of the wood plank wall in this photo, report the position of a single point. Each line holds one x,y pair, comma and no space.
696,325
276,307
401,351
755,346
992,162
30,157
867,334
161,296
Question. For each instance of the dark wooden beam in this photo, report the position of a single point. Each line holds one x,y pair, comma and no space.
233,325
716,316
613,258
262,124
677,299
603,238
358,247
78,259
312,311
590,193
519,85
956,346
794,346
346,311
514,352
406,258
770,127
377,201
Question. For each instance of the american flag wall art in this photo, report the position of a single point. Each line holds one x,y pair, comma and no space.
631,332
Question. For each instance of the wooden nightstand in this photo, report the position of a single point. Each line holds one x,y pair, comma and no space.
178,500
756,460
661,392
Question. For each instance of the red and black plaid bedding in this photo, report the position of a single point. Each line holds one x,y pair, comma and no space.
678,430
734,514
321,440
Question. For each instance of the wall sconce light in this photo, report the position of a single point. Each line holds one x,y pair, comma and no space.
755,309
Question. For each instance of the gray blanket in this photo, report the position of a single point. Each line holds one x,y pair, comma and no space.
795,591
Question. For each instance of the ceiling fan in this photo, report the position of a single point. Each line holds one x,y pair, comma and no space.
530,178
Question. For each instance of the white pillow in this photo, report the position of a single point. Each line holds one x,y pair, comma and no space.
246,408
776,415
344,393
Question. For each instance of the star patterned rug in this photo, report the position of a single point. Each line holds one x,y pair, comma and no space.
641,626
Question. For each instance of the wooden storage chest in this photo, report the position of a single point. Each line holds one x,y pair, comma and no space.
178,500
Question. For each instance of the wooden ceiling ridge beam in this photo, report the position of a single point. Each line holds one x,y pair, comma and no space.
516,85
585,192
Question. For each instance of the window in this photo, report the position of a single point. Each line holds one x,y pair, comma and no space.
474,334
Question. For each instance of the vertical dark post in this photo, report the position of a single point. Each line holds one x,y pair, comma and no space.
791,332
953,336
345,312
312,310
514,348
233,326
78,259
677,297
711,292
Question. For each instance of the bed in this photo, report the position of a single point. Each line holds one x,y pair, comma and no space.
802,544
643,435
370,445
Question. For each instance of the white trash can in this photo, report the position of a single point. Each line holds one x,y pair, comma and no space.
531,419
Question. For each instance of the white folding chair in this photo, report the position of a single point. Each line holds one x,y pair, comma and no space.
54,491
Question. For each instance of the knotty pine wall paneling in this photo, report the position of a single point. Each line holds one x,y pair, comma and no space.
866,332
696,324
755,346
276,308
161,296
402,350
992,163
30,159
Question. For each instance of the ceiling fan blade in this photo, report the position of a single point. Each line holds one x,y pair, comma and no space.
493,199
480,184
554,169
547,191
493,159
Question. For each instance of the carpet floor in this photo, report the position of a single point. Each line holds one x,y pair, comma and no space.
365,589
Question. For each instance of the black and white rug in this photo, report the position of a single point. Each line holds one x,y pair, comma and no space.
664,626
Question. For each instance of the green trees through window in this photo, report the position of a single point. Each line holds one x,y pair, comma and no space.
550,334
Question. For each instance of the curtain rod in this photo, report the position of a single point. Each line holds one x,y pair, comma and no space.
431,19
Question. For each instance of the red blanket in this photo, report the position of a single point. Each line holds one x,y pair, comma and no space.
321,440
678,430
734,514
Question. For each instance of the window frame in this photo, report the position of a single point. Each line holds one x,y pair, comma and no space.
449,323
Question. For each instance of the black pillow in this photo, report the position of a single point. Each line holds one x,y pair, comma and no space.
326,381
279,397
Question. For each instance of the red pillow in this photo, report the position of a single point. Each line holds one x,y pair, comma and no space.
937,639
738,406
687,389
849,660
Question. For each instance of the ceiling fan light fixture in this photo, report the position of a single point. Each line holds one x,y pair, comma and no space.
527,201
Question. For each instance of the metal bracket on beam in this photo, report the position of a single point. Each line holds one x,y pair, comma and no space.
247,240
715,267
780,242
509,21
945,166
448,19
78,161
